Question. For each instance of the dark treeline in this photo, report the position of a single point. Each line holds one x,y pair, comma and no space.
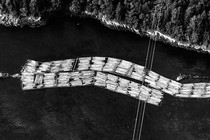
184,20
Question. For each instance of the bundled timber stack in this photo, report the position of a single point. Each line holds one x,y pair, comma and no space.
27,74
49,80
111,82
174,87
30,67
156,97
27,81
100,79
134,90
87,77
207,89
199,90
75,79
67,65
138,72
194,90
39,80
63,79
55,66
84,63
111,64
97,63
124,67
122,86
43,67
151,79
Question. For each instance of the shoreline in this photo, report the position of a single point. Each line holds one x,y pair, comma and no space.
154,34
9,20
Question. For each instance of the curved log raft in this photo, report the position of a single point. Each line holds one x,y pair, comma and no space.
109,73
95,78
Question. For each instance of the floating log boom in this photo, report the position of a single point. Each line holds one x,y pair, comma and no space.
111,74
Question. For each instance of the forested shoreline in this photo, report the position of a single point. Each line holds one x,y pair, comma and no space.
186,21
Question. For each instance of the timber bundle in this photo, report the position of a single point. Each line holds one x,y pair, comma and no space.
117,75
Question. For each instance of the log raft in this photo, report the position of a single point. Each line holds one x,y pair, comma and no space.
110,73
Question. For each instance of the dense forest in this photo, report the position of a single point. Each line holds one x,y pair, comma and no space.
184,20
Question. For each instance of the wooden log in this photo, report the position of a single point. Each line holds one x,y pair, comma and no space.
143,96
134,84
112,77
43,67
164,79
207,87
32,63
76,82
113,60
155,99
138,69
185,91
87,81
125,64
200,84
123,82
198,91
75,74
96,58
188,85
133,93
182,95
156,92
154,102
101,75
96,67
38,79
206,95
137,76
145,88
175,84
161,85
85,59
28,86
111,82
109,67
88,73
153,75
121,70
170,92
111,87
122,90
150,78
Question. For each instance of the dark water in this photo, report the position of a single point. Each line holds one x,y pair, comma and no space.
89,113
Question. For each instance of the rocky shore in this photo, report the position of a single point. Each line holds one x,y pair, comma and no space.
154,34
